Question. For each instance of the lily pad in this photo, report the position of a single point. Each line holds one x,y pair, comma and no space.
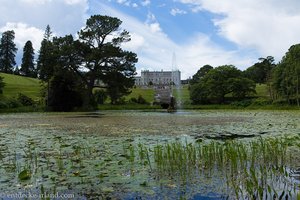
24,175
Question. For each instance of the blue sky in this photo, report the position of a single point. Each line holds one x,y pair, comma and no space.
198,32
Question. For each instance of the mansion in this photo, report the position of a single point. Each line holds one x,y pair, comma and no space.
158,78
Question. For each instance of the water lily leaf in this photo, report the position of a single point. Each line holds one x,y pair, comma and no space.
108,189
24,175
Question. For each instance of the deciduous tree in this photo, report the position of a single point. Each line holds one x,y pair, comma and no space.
219,82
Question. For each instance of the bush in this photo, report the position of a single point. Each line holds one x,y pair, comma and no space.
243,103
3,105
13,103
25,100
261,102
139,100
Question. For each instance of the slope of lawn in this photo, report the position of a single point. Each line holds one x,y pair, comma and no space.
146,93
19,84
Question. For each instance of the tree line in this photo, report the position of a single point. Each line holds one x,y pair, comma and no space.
72,67
225,84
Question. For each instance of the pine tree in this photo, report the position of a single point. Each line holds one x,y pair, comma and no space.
45,62
27,66
8,52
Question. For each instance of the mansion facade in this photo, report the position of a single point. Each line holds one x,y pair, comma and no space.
158,78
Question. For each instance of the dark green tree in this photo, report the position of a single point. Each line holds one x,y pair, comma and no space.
2,84
66,89
200,74
65,92
260,72
8,52
117,89
219,82
27,66
46,59
103,58
241,87
287,74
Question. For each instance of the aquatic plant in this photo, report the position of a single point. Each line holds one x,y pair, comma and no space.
255,169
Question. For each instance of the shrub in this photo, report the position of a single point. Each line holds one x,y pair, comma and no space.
139,100
243,103
13,103
261,102
25,100
3,105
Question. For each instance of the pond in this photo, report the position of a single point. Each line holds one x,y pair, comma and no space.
151,155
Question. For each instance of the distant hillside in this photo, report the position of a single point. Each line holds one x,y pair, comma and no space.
19,84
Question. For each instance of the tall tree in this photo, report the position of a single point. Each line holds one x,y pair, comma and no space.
260,72
66,89
286,77
8,52
27,66
102,55
46,61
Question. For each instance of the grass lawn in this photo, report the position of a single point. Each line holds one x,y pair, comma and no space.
20,84
147,94
182,94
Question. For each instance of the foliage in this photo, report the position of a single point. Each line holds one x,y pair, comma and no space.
96,56
12,103
286,76
27,66
2,84
103,58
200,74
7,52
64,92
46,60
25,100
260,72
219,82
139,100
241,87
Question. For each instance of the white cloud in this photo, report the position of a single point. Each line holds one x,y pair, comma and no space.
152,23
269,27
124,2
36,1
135,5
155,27
23,33
63,16
155,48
176,11
146,3
137,42
29,18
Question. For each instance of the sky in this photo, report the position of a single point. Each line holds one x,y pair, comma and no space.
169,34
